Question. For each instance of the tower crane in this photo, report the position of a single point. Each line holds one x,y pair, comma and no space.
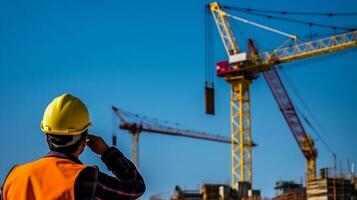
243,67
136,124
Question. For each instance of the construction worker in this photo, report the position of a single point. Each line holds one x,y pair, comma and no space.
60,174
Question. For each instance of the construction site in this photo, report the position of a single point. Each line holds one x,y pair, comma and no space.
240,69
241,64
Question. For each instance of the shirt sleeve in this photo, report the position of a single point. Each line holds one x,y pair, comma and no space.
127,183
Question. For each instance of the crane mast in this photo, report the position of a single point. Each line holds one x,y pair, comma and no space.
239,102
239,72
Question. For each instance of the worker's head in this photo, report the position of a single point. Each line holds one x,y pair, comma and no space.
72,144
66,122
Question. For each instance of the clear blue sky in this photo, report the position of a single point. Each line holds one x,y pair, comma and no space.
148,58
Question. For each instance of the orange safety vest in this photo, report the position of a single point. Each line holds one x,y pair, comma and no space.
45,178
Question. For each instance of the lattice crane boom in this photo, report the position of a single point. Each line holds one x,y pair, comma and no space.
154,127
227,36
137,124
288,110
267,60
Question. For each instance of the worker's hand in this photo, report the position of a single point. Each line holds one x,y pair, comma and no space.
96,144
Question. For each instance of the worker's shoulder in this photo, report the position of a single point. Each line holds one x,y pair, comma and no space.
23,166
45,162
26,166
20,170
35,163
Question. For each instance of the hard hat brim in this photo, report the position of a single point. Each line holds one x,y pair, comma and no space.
68,131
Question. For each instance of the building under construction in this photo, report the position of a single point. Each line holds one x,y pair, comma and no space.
324,188
289,190
216,191
332,188
327,187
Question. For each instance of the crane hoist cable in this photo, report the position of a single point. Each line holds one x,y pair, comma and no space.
291,36
125,116
308,122
208,28
293,20
283,12
209,48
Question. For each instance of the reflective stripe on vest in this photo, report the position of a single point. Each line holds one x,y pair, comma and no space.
46,178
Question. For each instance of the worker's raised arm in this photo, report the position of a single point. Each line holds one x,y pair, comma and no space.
121,167
127,183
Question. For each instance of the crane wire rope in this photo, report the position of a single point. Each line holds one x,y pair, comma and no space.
206,46
307,121
292,20
328,14
291,36
209,81
141,118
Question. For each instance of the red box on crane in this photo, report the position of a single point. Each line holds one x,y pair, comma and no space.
223,68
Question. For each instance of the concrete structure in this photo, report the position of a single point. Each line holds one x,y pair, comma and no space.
334,188
217,192
289,190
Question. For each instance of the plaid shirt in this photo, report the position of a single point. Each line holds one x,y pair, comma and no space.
93,184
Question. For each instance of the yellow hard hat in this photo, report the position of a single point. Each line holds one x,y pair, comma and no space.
65,115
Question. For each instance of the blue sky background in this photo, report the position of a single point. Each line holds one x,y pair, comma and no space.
148,58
